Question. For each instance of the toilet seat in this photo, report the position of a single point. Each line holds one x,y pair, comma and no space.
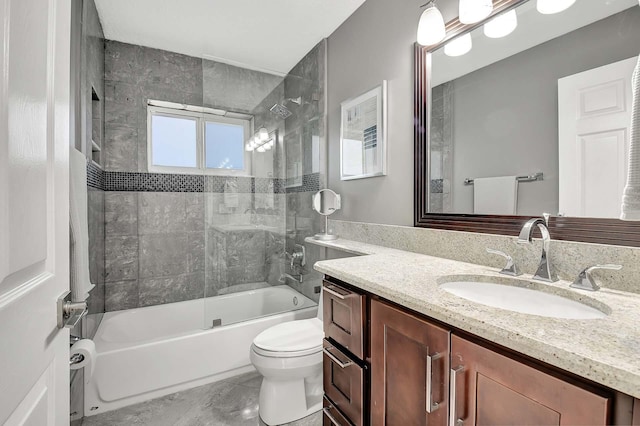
290,339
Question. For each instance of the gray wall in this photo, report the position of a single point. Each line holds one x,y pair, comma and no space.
375,44
505,116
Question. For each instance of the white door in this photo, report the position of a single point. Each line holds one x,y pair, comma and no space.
594,116
34,212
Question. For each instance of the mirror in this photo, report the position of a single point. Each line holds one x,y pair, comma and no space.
362,135
544,110
326,202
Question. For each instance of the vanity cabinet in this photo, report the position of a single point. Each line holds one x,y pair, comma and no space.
488,388
409,366
415,371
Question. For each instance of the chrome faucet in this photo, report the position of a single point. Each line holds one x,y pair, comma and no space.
585,280
545,272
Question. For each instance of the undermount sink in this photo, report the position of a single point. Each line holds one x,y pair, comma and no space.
524,300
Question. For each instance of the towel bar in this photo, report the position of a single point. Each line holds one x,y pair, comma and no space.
529,178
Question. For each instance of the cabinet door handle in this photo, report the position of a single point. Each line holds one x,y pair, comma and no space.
335,359
431,406
454,420
327,412
336,294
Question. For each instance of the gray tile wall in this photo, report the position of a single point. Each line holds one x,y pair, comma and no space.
91,80
155,248
155,241
133,74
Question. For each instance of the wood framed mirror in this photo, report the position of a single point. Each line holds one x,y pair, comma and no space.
573,42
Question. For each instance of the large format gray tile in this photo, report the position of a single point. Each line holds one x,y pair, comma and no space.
230,402
157,291
195,251
122,104
121,149
121,258
163,255
161,212
121,213
121,295
195,211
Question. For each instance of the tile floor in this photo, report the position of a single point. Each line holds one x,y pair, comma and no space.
230,402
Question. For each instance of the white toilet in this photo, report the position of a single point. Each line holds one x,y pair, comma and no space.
289,357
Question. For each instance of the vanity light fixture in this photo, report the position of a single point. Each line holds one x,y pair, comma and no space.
261,141
458,46
263,134
431,28
472,11
549,7
502,25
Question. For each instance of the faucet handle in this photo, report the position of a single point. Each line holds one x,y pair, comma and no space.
585,280
510,268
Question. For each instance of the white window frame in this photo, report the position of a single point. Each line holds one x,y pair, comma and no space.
201,118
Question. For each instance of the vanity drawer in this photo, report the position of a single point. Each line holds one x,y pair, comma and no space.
331,416
343,381
344,317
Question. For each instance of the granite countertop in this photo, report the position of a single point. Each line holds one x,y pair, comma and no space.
603,350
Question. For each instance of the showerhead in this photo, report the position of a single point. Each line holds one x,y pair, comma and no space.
280,110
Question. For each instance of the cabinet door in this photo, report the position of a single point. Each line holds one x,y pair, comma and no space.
409,369
488,388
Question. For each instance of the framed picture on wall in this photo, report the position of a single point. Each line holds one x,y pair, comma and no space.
363,125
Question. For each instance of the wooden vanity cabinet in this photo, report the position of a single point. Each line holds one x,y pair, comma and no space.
488,388
409,368
387,365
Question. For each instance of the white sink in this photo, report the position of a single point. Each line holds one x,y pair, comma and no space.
523,300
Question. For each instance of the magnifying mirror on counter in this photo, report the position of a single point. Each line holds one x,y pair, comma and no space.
326,202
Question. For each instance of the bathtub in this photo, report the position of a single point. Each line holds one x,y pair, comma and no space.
154,351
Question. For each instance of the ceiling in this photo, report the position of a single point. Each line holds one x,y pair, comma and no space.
265,35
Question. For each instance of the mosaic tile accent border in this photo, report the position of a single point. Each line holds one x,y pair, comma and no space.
153,182
310,183
436,186
164,182
95,176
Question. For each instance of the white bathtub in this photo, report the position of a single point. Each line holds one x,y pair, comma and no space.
154,351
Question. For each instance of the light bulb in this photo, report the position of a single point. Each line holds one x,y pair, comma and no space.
549,7
431,26
263,134
267,146
256,140
261,149
502,25
248,147
472,11
459,46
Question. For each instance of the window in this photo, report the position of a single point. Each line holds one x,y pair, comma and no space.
186,141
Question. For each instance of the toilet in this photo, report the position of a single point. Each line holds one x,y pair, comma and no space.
289,357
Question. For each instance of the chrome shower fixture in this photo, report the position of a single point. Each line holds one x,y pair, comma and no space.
280,110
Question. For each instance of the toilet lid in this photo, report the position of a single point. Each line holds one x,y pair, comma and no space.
293,336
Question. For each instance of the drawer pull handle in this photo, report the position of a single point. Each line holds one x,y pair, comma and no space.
335,293
327,412
454,420
335,359
431,406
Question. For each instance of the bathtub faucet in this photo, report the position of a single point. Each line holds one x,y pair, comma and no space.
284,276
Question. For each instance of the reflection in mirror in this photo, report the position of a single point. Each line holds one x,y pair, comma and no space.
326,202
551,97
